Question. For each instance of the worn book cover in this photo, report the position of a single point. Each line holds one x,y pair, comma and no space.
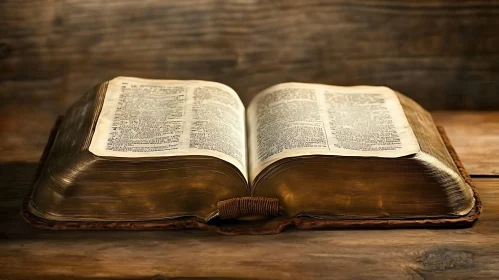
141,154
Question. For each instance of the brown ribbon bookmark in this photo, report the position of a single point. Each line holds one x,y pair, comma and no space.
248,206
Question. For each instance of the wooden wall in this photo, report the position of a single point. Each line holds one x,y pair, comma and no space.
443,53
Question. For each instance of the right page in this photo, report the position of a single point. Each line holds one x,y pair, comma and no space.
295,119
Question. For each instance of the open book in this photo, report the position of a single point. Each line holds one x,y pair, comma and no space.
152,150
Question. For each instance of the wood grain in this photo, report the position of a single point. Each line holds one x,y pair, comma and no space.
444,53
28,253
475,136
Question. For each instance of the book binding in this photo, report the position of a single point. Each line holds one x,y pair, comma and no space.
231,209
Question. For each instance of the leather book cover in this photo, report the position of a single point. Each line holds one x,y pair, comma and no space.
271,225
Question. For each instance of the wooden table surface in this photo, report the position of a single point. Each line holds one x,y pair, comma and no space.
28,253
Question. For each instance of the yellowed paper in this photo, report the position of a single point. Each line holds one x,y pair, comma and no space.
294,119
157,118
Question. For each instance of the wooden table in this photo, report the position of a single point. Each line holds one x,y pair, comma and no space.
28,253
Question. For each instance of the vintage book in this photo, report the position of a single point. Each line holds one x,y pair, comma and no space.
140,154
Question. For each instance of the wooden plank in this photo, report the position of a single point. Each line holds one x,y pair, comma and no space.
29,253
444,53
24,130
475,136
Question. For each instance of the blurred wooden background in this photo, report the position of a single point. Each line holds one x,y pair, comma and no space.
444,53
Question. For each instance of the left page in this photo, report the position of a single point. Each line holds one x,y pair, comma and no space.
158,118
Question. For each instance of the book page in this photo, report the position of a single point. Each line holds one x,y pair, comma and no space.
294,119
158,118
